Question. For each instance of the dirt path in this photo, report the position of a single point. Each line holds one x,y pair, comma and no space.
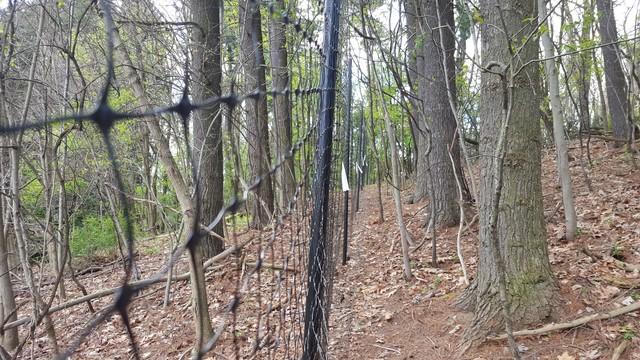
376,314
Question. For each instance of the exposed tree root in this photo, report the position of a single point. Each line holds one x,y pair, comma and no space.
467,301
618,263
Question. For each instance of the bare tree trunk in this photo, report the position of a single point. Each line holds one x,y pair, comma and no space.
584,67
584,71
62,239
50,166
148,179
257,122
15,186
601,93
395,171
198,285
281,108
121,238
22,240
9,338
207,124
616,83
439,114
558,128
47,178
511,214
404,235
375,152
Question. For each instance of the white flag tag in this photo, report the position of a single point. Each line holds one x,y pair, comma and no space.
345,181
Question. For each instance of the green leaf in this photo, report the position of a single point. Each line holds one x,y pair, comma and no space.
544,29
477,17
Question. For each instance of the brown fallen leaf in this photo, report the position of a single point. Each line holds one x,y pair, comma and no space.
388,316
565,356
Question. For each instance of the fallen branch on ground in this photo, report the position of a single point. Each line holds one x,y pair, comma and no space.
267,265
618,263
574,323
135,284
619,350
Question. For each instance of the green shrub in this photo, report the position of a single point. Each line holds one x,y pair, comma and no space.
93,236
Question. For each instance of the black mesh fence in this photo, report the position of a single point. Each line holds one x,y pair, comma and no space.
271,287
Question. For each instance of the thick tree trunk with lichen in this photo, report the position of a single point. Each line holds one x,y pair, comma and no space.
530,285
207,124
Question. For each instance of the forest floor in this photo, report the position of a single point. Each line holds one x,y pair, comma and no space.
376,314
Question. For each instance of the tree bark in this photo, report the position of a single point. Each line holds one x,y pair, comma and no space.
395,166
9,338
584,72
519,228
602,119
198,285
395,180
415,64
281,108
62,238
558,128
149,182
261,207
439,115
615,82
207,124
15,185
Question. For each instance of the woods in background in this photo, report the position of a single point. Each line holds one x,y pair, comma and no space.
450,103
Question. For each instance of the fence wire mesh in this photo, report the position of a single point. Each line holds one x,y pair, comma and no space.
258,287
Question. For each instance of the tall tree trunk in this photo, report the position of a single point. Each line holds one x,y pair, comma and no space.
50,164
198,285
395,171
558,128
9,338
256,115
416,74
281,108
584,70
207,124
376,156
415,65
148,180
15,187
62,238
439,115
616,83
519,228
602,119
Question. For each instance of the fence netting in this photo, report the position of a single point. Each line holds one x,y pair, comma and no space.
269,291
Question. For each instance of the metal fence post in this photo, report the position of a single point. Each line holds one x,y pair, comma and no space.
347,166
316,315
